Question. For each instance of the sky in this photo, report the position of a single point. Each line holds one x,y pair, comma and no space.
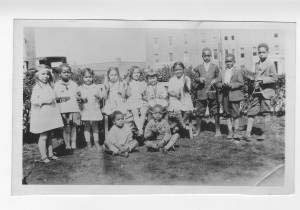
91,45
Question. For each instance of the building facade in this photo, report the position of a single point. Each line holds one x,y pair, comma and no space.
165,46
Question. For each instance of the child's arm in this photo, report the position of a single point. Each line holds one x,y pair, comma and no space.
148,130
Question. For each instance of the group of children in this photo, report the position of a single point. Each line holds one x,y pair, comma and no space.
159,111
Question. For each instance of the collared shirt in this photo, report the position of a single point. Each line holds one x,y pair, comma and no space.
206,66
227,75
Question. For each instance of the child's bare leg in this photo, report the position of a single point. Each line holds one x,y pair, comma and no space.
67,135
172,141
73,136
132,145
151,144
112,148
229,125
137,120
249,126
42,144
217,124
143,118
96,134
87,134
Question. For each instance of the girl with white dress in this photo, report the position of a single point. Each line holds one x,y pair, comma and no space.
179,89
44,115
90,96
114,92
136,103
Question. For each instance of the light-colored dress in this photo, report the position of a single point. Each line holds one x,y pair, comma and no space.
157,94
176,85
67,89
44,117
114,100
91,109
135,100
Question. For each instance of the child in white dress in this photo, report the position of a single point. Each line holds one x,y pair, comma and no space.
90,96
179,89
114,92
67,93
135,102
45,115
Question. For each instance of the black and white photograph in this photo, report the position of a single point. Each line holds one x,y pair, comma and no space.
154,103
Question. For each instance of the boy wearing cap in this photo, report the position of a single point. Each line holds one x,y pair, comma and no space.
264,89
204,84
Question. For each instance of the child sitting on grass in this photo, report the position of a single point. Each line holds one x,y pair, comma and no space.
158,134
120,140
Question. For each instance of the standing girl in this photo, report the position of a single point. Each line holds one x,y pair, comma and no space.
67,94
45,115
114,92
135,102
179,92
90,111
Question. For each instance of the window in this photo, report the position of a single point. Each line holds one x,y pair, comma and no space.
242,52
215,54
186,56
170,40
156,57
155,40
170,56
155,43
254,51
233,51
226,37
276,35
232,37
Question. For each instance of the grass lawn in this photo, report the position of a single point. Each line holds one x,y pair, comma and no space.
204,160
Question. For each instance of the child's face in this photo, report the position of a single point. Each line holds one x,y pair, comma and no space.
65,74
152,80
119,120
229,62
87,78
178,71
157,114
43,76
206,56
262,53
136,74
113,76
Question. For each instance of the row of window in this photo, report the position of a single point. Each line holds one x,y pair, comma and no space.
215,53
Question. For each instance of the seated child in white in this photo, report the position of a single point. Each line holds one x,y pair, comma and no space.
120,139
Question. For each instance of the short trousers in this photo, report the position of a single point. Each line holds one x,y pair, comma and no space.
71,118
231,108
259,105
202,104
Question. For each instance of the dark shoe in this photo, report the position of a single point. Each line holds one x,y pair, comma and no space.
53,157
261,138
236,136
230,136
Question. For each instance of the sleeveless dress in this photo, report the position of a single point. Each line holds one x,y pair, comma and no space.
91,109
135,100
185,102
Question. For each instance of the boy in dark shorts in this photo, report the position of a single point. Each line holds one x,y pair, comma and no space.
203,84
231,83
264,89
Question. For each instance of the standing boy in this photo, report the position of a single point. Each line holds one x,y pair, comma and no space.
66,92
264,89
204,85
231,83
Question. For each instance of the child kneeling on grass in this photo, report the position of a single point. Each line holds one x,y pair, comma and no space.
120,139
157,133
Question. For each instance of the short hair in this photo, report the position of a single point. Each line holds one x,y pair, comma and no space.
115,113
64,65
90,71
230,56
206,49
178,63
264,45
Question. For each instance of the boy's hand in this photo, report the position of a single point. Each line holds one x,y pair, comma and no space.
202,80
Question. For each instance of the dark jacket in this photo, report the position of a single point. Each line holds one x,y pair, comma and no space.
236,82
202,89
